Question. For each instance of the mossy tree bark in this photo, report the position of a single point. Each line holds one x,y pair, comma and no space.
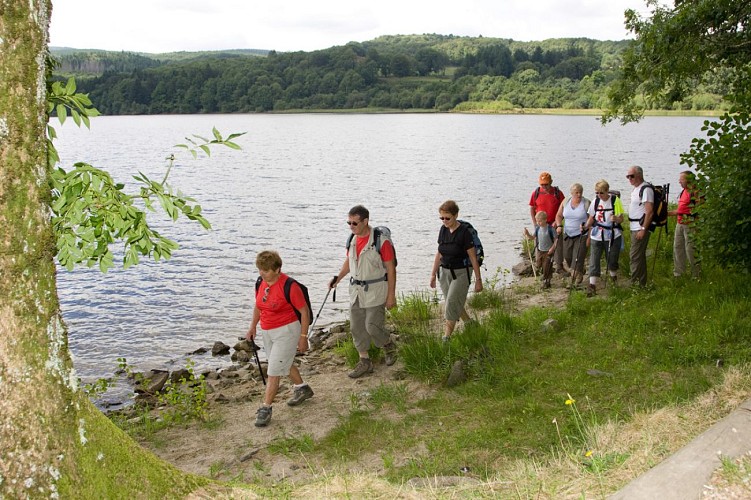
37,386
53,442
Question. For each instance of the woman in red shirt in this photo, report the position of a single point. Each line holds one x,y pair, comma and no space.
283,334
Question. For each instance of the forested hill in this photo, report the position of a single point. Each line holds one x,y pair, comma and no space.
431,72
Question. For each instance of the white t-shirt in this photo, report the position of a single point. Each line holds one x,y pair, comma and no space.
636,208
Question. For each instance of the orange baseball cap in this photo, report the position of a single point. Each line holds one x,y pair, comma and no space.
545,178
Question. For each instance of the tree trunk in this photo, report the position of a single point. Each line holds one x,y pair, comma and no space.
37,383
53,442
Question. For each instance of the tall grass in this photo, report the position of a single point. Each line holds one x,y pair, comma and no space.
628,351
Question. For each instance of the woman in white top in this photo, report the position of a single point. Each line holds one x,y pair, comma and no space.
605,218
572,215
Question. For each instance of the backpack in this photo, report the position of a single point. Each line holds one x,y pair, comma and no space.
287,292
479,251
615,195
556,193
552,234
379,234
660,207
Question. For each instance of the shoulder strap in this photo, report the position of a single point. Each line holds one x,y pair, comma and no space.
551,232
258,283
288,290
537,193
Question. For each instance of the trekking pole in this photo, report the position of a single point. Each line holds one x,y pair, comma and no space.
576,256
255,348
529,253
657,250
310,330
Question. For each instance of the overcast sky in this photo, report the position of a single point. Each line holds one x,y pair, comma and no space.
288,25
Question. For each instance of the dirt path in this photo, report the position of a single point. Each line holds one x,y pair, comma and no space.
235,448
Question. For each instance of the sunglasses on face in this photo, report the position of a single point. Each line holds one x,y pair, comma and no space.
600,192
265,294
352,222
445,218
630,176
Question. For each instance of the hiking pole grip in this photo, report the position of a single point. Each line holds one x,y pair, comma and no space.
331,285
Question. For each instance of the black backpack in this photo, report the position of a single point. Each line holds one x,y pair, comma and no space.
287,290
556,193
379,233
615,195
660,207
479,251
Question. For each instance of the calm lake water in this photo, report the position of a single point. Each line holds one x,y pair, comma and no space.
290,188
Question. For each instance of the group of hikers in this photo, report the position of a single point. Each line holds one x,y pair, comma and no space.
564,228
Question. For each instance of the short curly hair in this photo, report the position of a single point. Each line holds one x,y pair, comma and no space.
268,260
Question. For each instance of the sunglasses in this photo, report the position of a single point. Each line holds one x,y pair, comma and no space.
352,223
630,176
445,218
600,192
266,294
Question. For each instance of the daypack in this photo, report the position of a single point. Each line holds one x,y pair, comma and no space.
660,207
379,234
614,195
287,291
550,232
479,251
556,193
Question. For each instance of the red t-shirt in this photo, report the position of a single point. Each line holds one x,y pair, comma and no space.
387,249
275,310
547,201
684,207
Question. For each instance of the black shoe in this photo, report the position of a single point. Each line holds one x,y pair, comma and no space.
263,416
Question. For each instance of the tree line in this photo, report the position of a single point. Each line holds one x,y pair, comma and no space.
420,72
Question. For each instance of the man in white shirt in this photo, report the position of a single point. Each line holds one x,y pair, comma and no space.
640,216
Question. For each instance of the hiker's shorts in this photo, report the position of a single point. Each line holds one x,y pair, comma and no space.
455,288
280,345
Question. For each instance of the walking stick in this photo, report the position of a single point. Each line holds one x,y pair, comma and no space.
576,258
529,253
255,348
310,330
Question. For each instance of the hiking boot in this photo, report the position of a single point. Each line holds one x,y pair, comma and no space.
361,368
300,395
591,290
546,284
389,351
263,416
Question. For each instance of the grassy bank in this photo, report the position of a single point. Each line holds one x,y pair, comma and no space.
562,410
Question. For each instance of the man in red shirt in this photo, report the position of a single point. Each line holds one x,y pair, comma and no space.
372,288
683,242
548,198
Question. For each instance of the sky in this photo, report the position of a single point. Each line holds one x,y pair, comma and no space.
156,26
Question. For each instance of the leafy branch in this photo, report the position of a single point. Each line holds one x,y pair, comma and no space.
90,211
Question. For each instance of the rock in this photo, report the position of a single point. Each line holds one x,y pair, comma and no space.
200,350
178,376
457,375
243,346
240,357
550,325
211,376
340,328
152,382
219,349
221,398
523,268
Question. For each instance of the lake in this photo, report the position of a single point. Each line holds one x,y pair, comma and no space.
290,188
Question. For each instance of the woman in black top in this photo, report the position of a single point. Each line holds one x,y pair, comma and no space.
457,259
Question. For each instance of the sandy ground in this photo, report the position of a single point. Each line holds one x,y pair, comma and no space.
237,449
